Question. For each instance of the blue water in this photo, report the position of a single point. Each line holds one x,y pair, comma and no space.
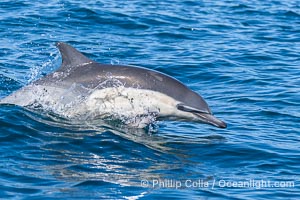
241,56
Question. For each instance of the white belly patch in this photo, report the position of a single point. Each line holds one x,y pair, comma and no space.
137,106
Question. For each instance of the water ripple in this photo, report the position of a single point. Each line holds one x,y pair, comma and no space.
242,57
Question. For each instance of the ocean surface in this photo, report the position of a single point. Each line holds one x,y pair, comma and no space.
243,57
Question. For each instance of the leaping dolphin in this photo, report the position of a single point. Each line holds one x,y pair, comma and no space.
84,89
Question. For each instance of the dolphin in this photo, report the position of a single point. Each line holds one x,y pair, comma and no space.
84,89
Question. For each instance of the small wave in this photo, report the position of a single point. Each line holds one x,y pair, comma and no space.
241,7
279,113
291,14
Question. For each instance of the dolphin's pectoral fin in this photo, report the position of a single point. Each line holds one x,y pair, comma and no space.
186,108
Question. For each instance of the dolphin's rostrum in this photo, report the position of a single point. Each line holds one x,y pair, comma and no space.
82,87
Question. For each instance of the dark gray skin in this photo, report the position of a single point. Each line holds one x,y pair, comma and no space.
77,68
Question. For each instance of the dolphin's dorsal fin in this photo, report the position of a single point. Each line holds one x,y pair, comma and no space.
71,57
